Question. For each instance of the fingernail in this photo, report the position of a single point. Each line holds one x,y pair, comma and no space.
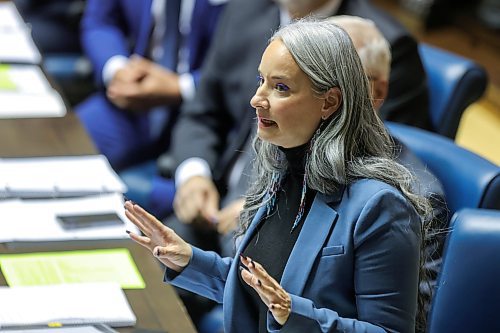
251,263
157,252
259,283
272,306
128,231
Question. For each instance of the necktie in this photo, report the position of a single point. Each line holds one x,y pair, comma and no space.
171,35
159,116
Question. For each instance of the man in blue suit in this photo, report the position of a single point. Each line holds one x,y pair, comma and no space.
146,57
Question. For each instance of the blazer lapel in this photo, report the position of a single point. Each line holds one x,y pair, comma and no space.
145,27
233,293
316,229
248,234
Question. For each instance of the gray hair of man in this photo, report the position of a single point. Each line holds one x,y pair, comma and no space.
373,49
352,144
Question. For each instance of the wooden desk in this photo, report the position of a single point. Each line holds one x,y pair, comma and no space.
44,137
157,307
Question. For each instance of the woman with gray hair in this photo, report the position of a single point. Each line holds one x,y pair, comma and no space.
331,230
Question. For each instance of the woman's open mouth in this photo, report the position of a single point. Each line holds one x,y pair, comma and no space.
263,122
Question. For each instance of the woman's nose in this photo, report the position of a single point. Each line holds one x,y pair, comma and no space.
258,100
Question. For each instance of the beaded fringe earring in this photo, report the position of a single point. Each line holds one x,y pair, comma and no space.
276,185
302,206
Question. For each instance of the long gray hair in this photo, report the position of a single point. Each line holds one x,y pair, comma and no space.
353,144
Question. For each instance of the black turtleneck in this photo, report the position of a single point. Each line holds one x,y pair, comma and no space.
273,241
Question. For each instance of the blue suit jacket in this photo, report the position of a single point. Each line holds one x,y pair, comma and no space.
123,27
354,267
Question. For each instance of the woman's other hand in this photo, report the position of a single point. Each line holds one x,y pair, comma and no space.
270,291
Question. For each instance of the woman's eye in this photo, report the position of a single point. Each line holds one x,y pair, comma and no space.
282,87
260,80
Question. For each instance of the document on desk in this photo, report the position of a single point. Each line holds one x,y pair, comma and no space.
66,176
65,304
26,93
97,328
64,219
10,17
17,46
49,268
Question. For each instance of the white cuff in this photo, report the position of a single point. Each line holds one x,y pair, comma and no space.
112,66
191,167
186,84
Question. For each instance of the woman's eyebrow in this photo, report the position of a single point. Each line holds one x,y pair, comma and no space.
279,77
275,77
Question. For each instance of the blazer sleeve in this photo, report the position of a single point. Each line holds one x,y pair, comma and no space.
386,269
102,33
205,275
203,123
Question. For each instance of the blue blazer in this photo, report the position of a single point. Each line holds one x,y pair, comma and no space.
123,27
354,267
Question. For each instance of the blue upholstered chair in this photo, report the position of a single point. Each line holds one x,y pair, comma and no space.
454,83
468,291
469,180
67,67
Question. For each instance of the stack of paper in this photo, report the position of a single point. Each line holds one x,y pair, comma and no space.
65,304
26,93
95,328
10,17
16,44
48,177
40,220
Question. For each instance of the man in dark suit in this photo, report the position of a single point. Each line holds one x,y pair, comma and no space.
146,57
216,124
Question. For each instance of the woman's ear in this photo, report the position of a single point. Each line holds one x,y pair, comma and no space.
332,102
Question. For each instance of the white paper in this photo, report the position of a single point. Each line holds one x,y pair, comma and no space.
65,329
16,45
31,95
49,177
66,304
22,105
35,220
27,79
10,17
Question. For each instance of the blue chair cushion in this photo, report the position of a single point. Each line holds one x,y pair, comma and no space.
150,190
469,181
67,66
454,83
468,293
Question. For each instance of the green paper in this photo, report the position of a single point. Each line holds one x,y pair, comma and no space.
6,82
35,269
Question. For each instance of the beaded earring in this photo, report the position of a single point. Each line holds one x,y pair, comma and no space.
302,205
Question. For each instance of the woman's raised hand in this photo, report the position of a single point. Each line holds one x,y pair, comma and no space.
162,241
270,291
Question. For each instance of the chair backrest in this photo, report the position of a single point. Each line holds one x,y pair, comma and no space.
454,83
467,297
469,181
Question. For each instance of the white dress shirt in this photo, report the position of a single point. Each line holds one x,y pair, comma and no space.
186,81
